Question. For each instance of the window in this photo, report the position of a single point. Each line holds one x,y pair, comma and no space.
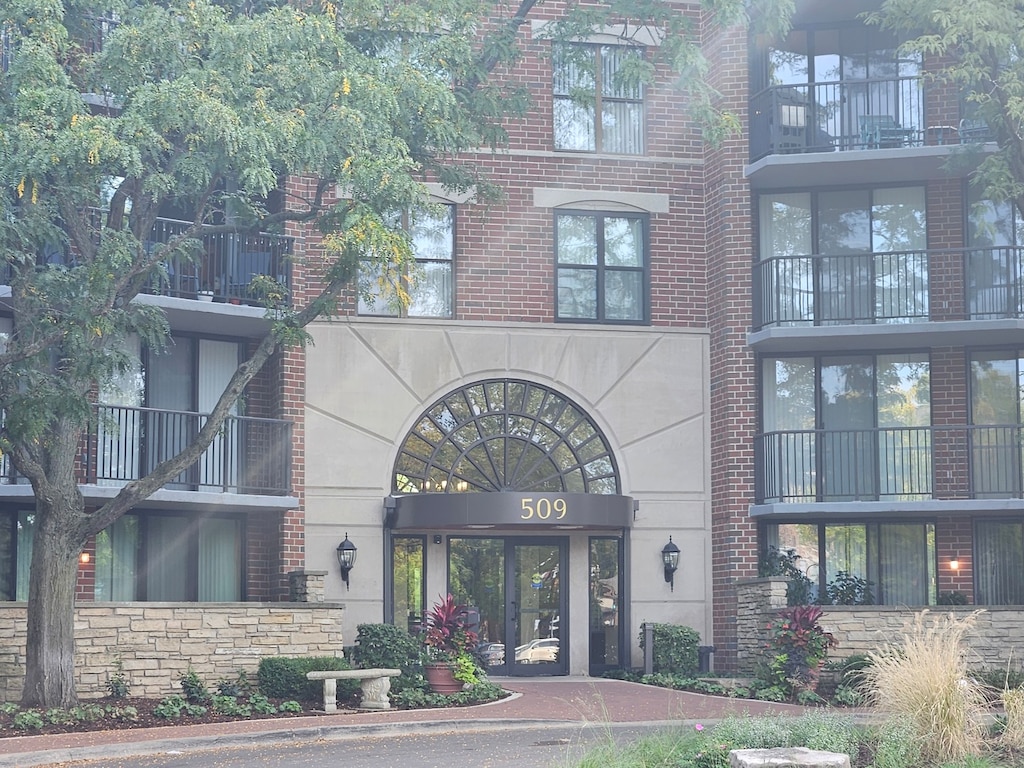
408,585
846,428
427,282
999,562
997,387
843,256
994,268
896,559
598,99
601,267
170,558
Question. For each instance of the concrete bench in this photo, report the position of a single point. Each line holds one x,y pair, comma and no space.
374,683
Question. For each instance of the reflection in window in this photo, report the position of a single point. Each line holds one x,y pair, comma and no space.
601,267
845,256
846,428
424,285
994,268
997,381
896,560
407,582
605,583
505,434
598,99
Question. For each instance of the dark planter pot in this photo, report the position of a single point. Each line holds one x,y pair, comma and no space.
441,678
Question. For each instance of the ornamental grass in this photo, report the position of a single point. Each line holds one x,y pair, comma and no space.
921,679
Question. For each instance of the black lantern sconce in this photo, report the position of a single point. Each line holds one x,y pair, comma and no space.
346,558
670,559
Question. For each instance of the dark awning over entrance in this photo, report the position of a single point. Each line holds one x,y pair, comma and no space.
507,509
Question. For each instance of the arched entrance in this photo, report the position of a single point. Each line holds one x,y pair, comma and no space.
520,485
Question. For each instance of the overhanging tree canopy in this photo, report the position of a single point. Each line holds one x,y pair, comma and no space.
113,111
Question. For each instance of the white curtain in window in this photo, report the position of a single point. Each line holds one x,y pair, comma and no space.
999,563
116,560
120,425
218,466
166,559
26,531
220,560
903,564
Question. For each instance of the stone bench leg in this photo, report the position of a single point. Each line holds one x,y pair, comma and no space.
330,694
375,693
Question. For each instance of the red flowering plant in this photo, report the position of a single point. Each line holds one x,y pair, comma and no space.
448,633
797,648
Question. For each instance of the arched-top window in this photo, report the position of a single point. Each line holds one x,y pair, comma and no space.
505,435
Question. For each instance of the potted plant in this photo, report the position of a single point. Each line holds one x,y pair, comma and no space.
448,641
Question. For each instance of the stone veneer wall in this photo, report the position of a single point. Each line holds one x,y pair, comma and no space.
157,642
996,640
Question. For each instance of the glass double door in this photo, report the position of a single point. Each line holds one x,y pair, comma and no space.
519,588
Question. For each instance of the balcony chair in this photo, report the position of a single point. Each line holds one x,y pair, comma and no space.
882,131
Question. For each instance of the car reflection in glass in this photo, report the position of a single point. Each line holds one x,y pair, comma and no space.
492,654
538,651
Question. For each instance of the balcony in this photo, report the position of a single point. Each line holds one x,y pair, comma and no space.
222,266
892,465
248,456
213,267
795,130
894,298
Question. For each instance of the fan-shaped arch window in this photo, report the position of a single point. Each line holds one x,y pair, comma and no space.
505,435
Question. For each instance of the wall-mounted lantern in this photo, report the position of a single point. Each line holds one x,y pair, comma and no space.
670,559
346,558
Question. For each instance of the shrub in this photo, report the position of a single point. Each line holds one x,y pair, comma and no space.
847,589
796,650
777,562
285,678
922,678
194,688
117,683
229,705
675,649
389,647
896,744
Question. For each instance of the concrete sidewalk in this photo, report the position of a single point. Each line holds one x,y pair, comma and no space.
536,702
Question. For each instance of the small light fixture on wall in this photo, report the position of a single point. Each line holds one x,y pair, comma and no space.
84,558
670,559
346,558
954,562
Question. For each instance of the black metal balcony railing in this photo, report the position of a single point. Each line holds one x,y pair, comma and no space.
892,287
217,267
844,289
890,464
224,266
249,455
843,115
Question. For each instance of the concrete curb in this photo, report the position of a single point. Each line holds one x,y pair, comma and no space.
198,743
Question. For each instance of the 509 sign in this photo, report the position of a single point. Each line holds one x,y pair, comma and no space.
543,509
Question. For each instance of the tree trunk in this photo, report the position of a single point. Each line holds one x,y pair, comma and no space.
50,651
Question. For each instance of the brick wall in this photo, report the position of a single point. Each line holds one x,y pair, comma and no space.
157,642
733,374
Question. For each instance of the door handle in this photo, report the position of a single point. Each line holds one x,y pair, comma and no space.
515,614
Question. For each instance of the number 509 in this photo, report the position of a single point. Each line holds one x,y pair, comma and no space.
543,509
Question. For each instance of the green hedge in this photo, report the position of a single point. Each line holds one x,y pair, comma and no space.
390,647
285,678
675,649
